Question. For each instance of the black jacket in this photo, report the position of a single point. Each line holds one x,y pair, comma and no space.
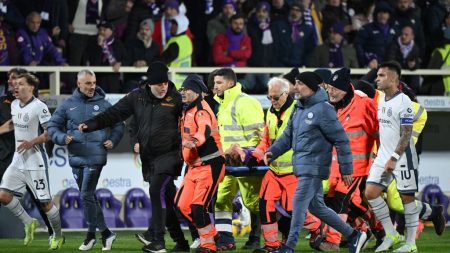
157,128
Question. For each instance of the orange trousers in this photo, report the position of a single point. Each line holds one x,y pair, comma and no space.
194,196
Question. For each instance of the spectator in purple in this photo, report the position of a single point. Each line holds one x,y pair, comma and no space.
336,52
405,51
54,15
35,45
332,13
221,22
373,39
232,48
263,51
293,39
109,52
406,13
83,18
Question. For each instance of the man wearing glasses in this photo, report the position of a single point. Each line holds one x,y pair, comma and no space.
279,182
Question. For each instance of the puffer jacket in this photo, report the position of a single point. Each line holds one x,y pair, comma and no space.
312,131
86,148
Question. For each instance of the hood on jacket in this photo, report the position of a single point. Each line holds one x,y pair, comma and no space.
99,94
183,23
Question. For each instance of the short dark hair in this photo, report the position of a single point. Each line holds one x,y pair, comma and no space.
227,74
31,79
17,71
237,16
393,66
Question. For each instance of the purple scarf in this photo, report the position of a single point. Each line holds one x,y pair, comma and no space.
4,56
336,57
108,54
153,8
384,28
295,35
92,12
234,39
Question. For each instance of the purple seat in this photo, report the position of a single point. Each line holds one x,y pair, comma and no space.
71,209
433,195
138,209
31,208
111,208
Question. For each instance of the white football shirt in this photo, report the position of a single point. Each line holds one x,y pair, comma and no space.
392,114
27,122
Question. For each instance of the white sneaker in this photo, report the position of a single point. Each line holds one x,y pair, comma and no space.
388,241
195,244
108,242
87,244
407,248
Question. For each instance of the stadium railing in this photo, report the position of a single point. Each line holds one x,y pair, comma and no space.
431,103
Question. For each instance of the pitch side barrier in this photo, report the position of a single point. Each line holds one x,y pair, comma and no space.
55,71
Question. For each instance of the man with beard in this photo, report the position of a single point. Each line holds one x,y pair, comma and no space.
156,108
232,48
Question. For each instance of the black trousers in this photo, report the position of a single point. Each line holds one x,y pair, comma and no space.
162,195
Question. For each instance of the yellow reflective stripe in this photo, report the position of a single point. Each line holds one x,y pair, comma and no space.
419,113
415,134
210,156
244,128
356,133
281,164
355,156
240,138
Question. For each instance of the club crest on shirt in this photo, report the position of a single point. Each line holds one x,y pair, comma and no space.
96,107
26,117
409,110
389,112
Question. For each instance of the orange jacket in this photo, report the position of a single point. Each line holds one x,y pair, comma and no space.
199,124
360,122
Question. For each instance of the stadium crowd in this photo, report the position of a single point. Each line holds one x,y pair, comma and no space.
227,33
341,154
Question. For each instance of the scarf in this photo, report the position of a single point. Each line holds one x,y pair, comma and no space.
153,8
234,39
336,56
107,51
266,33
384,28
92,12
167,30
405,49
296,33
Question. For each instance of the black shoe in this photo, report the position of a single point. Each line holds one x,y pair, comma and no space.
156,247
181,247
145,238
252,243
438,219
267,249
204,250
316,237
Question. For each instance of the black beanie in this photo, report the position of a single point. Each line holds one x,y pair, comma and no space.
341,79
310,79
291,75
195,83
157,73
325,74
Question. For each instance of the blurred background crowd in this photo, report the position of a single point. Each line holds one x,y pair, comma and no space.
226,33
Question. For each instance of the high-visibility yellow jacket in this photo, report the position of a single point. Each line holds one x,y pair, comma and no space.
240,118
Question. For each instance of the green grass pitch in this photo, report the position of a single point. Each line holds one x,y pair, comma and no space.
429,242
